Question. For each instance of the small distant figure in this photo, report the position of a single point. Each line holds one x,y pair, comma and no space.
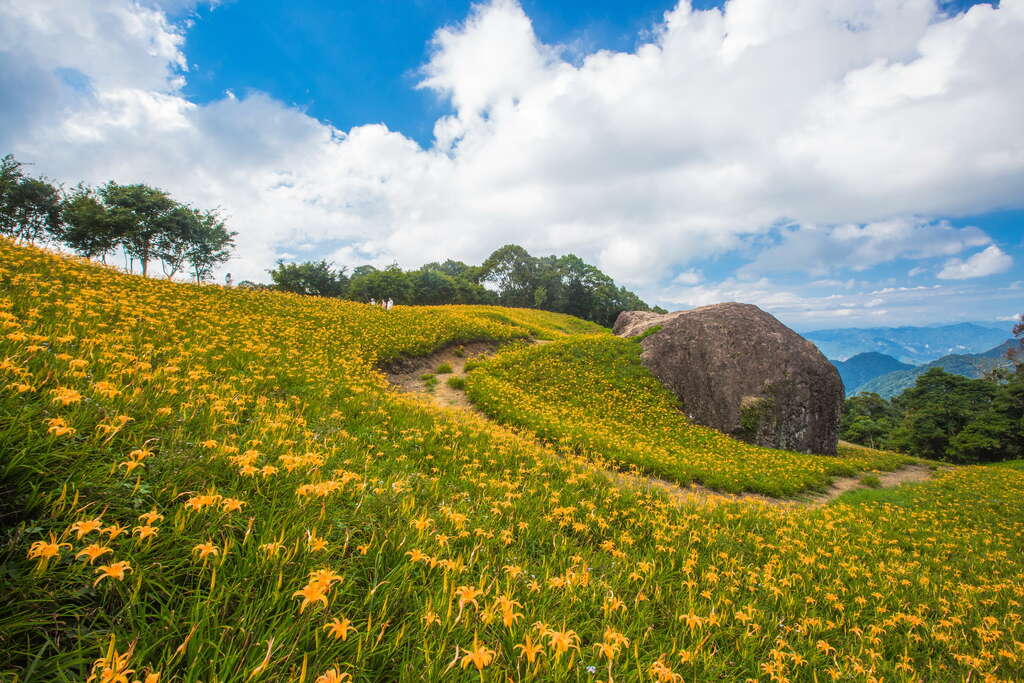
227,280
391,303
373,302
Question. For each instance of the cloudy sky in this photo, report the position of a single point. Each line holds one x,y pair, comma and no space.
838,162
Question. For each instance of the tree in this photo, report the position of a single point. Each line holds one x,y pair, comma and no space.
88,228
512,270
211,244
313,278
390,283
936,409
180,236
141,214
432,287
29,207
868,419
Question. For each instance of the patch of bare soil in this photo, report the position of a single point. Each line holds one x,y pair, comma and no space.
907,475
407,375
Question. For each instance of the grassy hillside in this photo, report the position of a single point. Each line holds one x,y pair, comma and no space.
592,394
203,484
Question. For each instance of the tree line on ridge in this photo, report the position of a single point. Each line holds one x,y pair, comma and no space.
508,277
145,223
946,416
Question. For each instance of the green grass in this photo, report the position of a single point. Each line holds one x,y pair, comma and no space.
591,394
871,481
458,383
901,496
274,399
443,369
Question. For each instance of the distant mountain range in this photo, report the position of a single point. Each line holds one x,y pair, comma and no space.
914,345
865,367
868,372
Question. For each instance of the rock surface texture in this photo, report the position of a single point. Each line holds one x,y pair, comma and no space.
741,371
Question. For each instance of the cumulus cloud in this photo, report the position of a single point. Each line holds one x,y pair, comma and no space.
726,124
989,261
818,250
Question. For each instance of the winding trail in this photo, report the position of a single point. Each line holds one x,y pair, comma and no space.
407,376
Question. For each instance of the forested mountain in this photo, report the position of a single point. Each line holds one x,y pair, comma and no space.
915,345
973,365
865,367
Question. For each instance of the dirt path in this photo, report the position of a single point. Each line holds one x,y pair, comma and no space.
411,375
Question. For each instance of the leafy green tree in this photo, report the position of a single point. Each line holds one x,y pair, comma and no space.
432,287
390,283
313,278
455,269
211,244
30,208
868,419
936,409
513,271
88,227
141,214
182,230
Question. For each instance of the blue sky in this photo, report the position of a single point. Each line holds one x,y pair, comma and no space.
835,162
358,62
351,63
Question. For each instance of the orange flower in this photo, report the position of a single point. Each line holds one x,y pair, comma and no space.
116,570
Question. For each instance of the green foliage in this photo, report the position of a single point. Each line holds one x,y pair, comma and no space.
381,285
565,284
29,207
592,395
871,481
144,221
868,419
312,278
458,383
653,329
946,416
262,428
562,284
443,369
754,411
936,409
88,228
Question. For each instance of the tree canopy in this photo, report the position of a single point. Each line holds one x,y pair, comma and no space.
145,222
510,276
946,416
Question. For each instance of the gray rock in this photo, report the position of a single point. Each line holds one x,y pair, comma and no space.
741,371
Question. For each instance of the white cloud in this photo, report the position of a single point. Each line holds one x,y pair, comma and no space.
842,113
989,261
818,250
688,277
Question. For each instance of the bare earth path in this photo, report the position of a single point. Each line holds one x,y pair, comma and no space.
407,375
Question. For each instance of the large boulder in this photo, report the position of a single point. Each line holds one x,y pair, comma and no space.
741,371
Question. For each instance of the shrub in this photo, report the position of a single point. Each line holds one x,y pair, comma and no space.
871,481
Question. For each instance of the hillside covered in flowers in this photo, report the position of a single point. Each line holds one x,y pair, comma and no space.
210,484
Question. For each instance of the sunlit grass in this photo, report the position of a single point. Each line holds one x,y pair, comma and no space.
593,395
217,485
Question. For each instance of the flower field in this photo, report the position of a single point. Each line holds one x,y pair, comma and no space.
591,394
200,484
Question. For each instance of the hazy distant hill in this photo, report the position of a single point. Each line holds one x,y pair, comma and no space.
914,345
865,367
969,365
